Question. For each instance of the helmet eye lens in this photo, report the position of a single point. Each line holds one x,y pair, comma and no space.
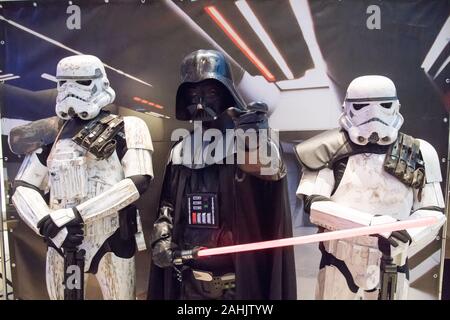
386,105
359,106
61,82
84,82
211,92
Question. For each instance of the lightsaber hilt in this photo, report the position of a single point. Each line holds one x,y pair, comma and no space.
183,256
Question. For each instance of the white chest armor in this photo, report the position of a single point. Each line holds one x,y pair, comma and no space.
366,186
75,176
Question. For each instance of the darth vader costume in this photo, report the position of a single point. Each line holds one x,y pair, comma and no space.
219,203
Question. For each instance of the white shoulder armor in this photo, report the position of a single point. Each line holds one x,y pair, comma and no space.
138,157
431,162
137,134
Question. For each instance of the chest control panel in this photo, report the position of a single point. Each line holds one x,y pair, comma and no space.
203,210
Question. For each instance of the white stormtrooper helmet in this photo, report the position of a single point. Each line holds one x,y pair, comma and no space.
371,111
83,88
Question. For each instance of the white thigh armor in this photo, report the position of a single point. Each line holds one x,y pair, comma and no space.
362,260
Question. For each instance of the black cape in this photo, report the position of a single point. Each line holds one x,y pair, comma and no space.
254,210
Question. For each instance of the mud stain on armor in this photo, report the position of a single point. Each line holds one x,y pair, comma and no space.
368,187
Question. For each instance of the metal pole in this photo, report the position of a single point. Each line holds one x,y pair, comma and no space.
3,227
447,210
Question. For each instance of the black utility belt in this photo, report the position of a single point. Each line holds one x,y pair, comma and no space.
203,210
223,282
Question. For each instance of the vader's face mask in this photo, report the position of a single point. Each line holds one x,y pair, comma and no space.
83,88
371,111
207,100
207,90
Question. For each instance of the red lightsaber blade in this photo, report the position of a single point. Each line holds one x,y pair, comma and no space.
326,236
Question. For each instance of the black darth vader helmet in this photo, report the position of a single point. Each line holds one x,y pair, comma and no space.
206,67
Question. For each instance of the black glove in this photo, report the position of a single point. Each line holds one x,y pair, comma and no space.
161,240
162,253
254,118
74,237
384,244
48,229
402,236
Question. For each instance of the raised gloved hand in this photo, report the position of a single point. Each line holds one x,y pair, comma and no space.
69,235
254,118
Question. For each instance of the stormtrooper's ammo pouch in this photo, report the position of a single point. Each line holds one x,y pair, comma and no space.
98,136
405,162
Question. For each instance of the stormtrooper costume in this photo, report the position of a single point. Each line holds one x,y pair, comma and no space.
94,165
366,173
